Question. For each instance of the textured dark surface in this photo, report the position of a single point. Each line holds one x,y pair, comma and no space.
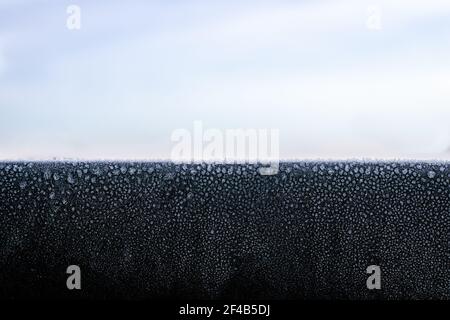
160,230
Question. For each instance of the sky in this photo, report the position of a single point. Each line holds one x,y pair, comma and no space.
338,79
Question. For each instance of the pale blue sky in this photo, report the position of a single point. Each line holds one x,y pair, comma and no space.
137,70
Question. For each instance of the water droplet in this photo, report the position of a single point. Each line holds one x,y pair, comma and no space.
70,179
47,174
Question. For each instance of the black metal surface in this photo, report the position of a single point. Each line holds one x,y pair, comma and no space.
160,230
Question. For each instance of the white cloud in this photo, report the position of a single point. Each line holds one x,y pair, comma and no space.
308,69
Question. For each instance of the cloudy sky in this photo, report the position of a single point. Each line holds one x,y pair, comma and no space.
339,79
